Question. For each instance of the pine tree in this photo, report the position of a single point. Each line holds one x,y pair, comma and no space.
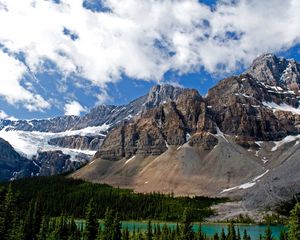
149,234
125,234
231,232
216,236
91,228
32,221
283,235
186,226
223,235
268,234
74,233
199,233
117,235
9,224
245,235
294,223
238,234
44,228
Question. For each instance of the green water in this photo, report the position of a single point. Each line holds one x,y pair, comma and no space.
209,229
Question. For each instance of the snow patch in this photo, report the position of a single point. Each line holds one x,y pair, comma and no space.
281,107
187,136
287,139
91,162
30,143
246,185
221,134
130,159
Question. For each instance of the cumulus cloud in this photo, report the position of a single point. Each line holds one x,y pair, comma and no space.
139,38
11,73
3,115
74,108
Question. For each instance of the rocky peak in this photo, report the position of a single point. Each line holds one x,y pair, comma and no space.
161,94
274,71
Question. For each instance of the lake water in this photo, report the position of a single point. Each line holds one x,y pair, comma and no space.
209,229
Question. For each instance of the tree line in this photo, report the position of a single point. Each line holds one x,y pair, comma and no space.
57,195
34,223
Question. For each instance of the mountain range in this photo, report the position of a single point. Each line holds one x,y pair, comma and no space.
239,140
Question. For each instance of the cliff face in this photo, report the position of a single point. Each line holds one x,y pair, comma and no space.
12,164
78,142
244,106
276,72
243,133
169,124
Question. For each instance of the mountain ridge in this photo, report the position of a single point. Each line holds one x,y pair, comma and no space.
175,140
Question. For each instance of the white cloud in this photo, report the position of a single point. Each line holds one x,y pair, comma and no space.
11,73
3,115
139,38
74,108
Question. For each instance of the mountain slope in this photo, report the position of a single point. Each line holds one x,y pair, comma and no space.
223,144
12,164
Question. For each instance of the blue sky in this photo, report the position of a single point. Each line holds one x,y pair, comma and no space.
65,57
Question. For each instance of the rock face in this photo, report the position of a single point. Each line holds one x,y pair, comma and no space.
57,124
274,71
243,106
167,124
221,144
78,142
174,140
55,162
12,164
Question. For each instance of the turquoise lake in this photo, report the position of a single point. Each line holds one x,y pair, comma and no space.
209,229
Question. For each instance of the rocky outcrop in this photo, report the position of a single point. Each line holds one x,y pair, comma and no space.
12,164
258,105
240,106
274,71
168,124
56,162
78,142
57,124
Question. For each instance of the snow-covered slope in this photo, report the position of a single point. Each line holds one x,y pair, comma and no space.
30,143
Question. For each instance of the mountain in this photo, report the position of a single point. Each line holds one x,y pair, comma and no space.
65,143
12,164
243,133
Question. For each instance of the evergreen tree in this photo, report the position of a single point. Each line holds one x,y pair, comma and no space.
268,234
9,221
149,234
231,232
91,229
238,234
186,226
74,233
44,228
216,236
283,235
108,225
32,221
117,235
223,235
245,235
294,223
199,233
125,234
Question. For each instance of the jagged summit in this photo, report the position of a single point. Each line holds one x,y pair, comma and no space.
276,71
160,94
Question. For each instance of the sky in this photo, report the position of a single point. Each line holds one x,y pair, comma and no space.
63,57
